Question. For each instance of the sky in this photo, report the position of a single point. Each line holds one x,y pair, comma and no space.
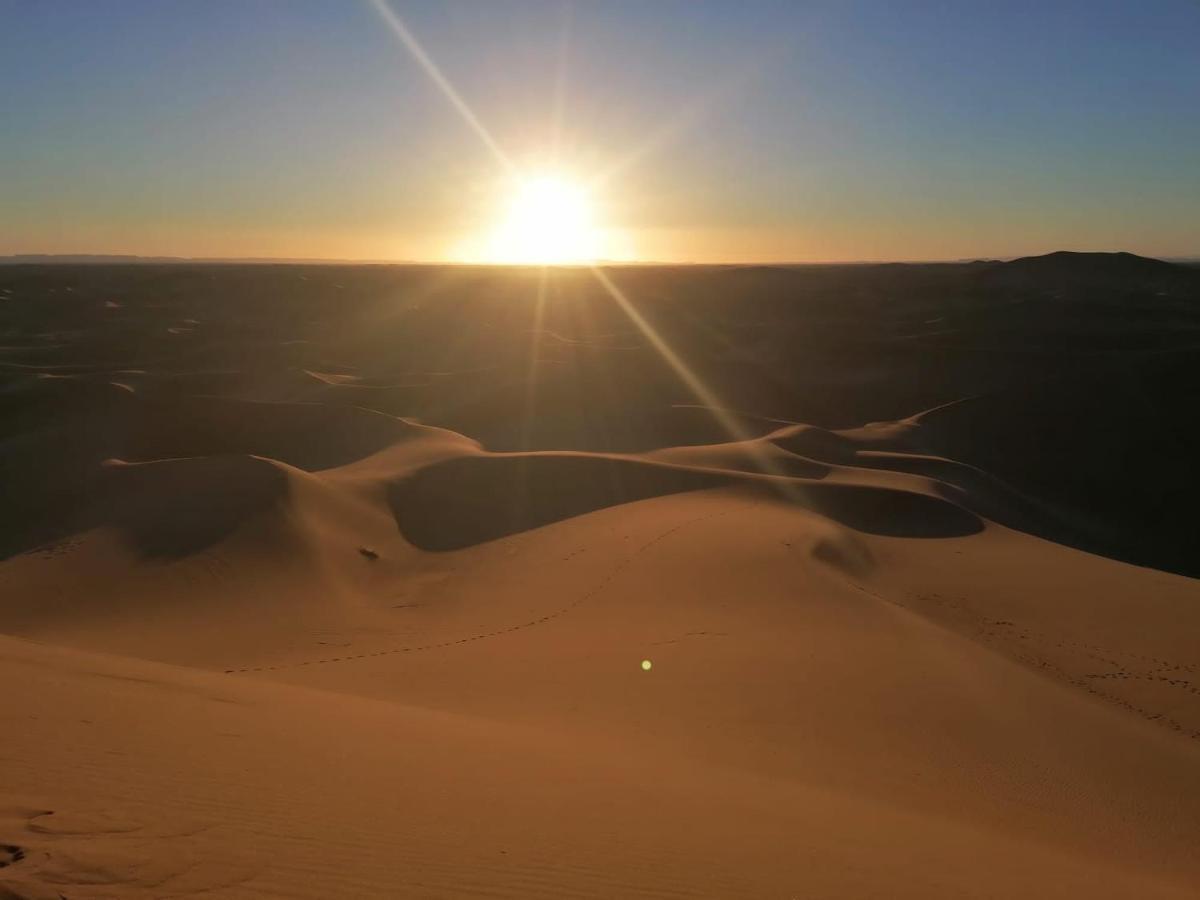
704,132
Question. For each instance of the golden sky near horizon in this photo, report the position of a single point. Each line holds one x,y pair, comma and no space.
545,131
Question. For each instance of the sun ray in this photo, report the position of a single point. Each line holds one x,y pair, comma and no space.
543,206
694,383
413,46
535,343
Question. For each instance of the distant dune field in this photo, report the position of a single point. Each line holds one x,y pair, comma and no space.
444,582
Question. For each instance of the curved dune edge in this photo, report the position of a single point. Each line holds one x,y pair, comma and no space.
471,499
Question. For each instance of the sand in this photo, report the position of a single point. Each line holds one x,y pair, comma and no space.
265,635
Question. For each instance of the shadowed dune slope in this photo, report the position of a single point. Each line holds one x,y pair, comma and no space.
1115,451
468,500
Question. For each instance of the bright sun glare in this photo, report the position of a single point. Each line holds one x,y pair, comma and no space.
547,220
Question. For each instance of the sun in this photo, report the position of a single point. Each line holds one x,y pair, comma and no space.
547,219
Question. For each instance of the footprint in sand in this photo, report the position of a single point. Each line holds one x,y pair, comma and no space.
9,854
113,854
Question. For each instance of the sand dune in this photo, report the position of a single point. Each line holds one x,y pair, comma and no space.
275,627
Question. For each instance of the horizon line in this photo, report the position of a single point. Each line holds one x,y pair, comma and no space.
139,259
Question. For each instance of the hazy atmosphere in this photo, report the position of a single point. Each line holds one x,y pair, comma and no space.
739,132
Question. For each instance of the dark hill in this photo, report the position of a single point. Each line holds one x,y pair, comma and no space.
1066,271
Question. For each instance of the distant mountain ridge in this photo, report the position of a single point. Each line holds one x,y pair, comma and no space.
1066,270
1119,262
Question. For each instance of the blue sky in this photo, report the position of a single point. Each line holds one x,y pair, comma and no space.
730,131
